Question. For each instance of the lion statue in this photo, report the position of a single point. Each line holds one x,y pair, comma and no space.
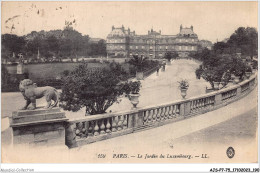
31,92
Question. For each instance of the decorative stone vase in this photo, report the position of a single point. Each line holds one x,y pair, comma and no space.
236,80
216,85
248,74
184,92
134,98
140,75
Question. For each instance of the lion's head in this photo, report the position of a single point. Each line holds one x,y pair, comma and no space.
25,84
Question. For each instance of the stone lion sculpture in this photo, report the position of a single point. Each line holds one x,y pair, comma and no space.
31,92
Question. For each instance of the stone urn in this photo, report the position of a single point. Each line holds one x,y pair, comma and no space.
248,74
216,85
134,98
140,75
236,80
184,92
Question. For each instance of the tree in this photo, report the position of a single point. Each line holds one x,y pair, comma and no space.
139,62
244,39
171,55
13,44
96,89
5,76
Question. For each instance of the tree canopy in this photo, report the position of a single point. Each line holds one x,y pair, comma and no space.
96,89
223,60
57,43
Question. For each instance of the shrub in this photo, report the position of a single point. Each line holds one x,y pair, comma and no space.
183,84
96,89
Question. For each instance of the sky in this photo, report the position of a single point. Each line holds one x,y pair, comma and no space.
211,20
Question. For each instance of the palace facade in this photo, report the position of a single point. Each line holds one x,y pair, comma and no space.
123,42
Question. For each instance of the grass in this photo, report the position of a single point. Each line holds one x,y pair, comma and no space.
49,70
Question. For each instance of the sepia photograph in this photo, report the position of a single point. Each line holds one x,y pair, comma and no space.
138,82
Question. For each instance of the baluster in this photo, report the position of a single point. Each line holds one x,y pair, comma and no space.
77,131
158,114
154,114
108,126
166,113
90,128
177,110
191,106
170,112
102,127
125,122
120,123
194,105
150,117
145,117
114,123
96,129
84,129
206,102
174,111
200,105
203,103
212,101
162,113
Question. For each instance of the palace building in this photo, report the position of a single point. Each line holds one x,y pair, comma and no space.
122,42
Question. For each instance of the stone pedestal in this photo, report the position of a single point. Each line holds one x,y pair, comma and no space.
20,68
40,127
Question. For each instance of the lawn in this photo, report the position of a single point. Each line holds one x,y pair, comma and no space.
49,70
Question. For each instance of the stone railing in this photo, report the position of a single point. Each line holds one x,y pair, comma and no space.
150,71
99,127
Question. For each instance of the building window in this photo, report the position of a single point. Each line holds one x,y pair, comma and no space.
192,47
166,47
131,47
136,47
179,47
192,40
160,47
151,47
186,47
186,40
121,47
142,47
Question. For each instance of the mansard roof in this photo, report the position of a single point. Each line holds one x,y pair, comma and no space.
187,32
117,32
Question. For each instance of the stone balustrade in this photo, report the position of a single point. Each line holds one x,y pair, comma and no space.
99,127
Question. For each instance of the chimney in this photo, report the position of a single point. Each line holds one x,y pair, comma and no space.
160,31
148,32
113,27
191,27
128,30
134,32
123,27
180,27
